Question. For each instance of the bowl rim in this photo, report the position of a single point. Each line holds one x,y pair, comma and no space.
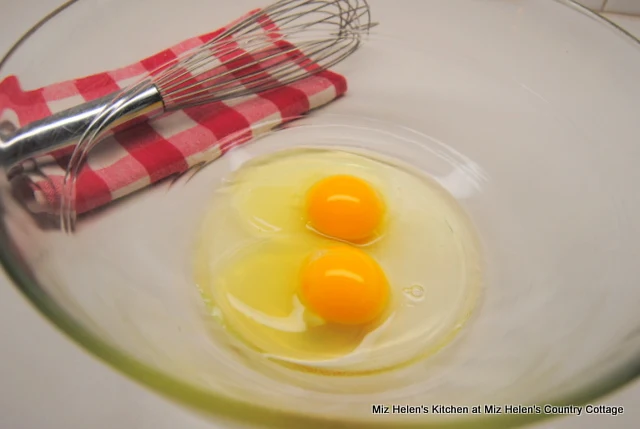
221,407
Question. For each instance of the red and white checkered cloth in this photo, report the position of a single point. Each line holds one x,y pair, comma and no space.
147,153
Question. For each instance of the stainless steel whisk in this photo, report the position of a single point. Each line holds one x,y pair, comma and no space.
282,43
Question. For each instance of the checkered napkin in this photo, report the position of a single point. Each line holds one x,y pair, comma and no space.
132,159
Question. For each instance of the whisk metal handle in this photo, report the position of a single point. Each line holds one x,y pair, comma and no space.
65,128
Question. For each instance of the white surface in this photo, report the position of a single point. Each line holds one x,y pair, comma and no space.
631,7
592,4
629,23
48,382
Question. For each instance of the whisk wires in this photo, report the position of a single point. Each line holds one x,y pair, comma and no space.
275,46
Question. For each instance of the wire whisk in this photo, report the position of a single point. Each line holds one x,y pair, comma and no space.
275,46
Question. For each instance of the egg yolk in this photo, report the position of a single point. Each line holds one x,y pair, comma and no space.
344,285
344,207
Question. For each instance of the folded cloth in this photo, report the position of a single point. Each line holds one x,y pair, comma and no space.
130,160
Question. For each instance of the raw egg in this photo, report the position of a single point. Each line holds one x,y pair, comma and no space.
334,260
344,285
345,207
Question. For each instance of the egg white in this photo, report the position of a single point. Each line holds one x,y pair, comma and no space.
255,238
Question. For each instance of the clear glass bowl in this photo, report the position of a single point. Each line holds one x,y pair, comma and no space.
525,111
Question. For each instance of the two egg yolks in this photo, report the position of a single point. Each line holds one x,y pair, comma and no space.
343,284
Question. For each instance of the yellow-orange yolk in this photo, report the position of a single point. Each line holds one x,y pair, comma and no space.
344,285
344,207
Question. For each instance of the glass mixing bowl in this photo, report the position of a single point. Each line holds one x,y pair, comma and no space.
525,111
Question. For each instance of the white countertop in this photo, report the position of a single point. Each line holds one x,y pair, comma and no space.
46,381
